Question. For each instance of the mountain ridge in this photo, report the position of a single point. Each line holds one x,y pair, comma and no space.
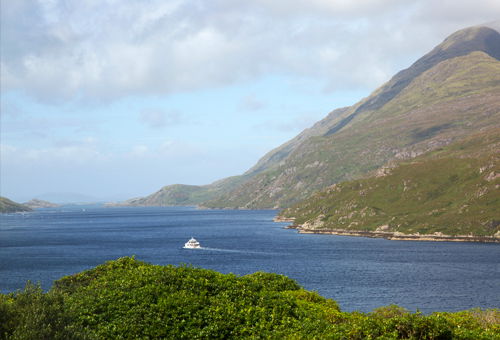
432,112
434,102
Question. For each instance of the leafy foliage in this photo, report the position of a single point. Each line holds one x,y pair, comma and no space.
130,299
33,314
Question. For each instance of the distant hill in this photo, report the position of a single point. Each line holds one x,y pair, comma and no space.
183,195
447,95
36,203
8,206
452,191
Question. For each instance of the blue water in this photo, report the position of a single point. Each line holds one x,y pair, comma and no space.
359,273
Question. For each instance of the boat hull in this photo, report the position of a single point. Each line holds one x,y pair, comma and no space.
192,244
191,247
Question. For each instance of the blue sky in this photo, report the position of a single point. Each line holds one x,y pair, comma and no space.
115,99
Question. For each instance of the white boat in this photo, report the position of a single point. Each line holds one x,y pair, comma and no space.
192,244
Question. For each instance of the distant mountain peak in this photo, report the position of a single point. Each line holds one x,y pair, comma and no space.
493,24
460,43
449,93
467,40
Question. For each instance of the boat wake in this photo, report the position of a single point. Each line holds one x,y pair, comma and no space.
239,251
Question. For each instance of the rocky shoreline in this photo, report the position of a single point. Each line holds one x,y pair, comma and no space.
284,219
396,236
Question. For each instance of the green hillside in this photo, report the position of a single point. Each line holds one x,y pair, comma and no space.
184,195
454,190
8,206
178,194
130,299
450,101
447,95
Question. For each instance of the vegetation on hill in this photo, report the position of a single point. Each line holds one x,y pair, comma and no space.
445,96
8,206
454,190
130,299
453,100
183,195
177,194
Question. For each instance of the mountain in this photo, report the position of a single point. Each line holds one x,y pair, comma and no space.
36,203
451,193
447,95
8,206
183,195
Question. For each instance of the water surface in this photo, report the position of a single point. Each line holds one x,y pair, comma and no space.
359,273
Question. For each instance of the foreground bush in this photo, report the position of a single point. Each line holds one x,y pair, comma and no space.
130,299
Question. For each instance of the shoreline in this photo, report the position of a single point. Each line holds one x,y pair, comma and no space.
393,236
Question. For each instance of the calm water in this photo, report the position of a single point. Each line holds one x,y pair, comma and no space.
360,273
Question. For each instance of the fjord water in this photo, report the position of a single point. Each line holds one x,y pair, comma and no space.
359,273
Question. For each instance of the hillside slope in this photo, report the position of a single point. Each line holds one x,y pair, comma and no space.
452,191
445,96
184,195
8,206
448,102
460,43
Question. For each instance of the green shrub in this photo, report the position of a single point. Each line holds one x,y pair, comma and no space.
32,314
130,299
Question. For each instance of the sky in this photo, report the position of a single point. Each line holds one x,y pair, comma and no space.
113,99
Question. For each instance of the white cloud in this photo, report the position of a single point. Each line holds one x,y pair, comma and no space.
7,150
57,50
64,152
329,7
157,118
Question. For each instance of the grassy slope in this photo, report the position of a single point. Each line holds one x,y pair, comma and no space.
177,194
453,190
372,129
8,206
180,194
448,102
129,299
183,195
